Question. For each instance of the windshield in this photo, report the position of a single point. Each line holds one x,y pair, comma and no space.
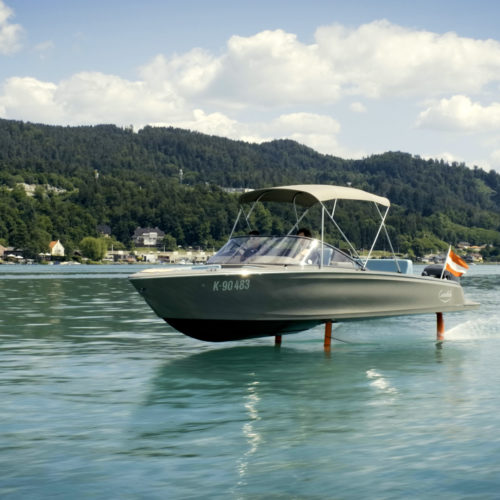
279,250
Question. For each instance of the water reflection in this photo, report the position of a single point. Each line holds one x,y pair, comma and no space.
285,410
100,398
250,432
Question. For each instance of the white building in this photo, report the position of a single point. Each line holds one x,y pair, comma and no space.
56,249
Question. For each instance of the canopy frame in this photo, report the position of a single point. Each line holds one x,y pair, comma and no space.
307,196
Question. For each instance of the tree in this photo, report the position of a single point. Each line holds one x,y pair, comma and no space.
426,243
93,248
138,185
38,243
169,242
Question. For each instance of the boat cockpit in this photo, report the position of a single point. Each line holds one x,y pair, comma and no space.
281,251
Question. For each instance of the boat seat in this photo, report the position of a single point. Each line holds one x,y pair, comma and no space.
389,265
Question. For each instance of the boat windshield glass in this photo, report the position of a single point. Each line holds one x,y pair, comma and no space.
280,250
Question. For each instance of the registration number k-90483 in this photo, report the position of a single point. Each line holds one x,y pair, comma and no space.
231,285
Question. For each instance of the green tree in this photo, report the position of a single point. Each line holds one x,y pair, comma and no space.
169,242
139,185
93,248
427,243
38,243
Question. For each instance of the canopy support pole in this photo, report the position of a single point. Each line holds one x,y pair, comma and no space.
388,237
295,227
235,223
382,225
322,235
346,239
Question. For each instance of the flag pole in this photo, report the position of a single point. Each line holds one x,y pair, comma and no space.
445,261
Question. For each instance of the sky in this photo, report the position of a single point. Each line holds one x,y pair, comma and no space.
350,79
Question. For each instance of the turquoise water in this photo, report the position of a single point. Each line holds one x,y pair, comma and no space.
101,399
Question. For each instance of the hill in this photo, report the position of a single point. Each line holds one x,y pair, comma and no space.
80,177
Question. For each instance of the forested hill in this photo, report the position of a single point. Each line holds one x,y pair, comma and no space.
115,176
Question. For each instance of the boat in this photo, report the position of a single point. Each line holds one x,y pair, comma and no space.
270,285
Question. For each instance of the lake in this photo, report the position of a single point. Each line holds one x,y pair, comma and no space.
102,399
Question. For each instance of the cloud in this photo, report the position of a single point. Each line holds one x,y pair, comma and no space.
274,69
459,113
291,88
90,98
10,34
188,74
314,130
93,97
210,123
31,99
380,59
271,68
306,123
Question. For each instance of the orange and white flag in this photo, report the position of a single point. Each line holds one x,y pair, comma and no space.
455,264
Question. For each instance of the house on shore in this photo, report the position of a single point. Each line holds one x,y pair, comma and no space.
56,249
104,230
11,254
147,236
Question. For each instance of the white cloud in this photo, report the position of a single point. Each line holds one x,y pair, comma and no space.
188,74
375,60
289,87
380,58
316,131
10,34
306,123
273,68
221,125
90,98
32,100
460,113
211,123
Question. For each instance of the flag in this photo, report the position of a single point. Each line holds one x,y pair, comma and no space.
455,264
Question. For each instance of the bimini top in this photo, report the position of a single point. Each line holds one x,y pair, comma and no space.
308,195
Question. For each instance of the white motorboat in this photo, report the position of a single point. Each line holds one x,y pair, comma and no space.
257,286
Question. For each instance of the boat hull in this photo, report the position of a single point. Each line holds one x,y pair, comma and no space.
218,304
230,330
